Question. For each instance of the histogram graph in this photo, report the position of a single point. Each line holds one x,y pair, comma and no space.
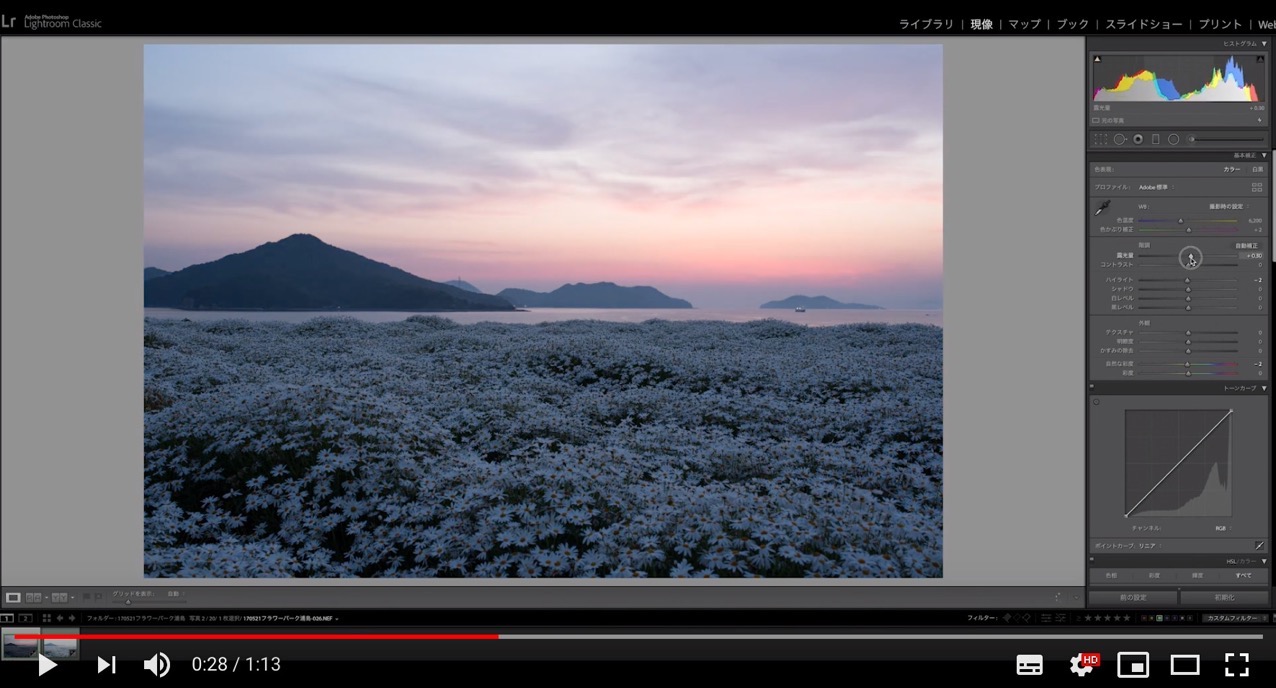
1178,78
1178,462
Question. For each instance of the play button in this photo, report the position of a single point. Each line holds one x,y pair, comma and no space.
103,665
46,665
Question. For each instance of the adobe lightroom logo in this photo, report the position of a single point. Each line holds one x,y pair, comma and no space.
5,22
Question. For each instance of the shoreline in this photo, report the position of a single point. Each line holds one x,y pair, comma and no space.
813,318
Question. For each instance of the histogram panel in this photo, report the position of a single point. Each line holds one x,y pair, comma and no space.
1181,78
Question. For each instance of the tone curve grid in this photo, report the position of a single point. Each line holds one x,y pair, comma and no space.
1178,463
1179,78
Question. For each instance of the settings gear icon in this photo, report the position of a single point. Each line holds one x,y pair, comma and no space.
1078,669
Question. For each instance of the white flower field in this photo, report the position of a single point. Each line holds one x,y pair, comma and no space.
424,448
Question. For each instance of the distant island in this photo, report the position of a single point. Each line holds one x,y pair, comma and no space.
152,273
302,272
813,302
597,295
462,284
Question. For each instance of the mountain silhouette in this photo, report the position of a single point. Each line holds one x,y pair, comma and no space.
814,302
462,284
301,272
596,295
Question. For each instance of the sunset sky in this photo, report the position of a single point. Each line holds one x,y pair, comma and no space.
726,175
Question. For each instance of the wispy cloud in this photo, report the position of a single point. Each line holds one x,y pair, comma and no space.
489,119
554,151
212,159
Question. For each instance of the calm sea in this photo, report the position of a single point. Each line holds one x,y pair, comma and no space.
533,316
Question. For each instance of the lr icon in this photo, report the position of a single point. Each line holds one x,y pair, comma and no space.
6,22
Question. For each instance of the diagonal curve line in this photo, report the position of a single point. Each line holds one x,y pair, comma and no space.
1180,463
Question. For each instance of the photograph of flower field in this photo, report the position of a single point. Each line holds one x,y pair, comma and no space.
543,311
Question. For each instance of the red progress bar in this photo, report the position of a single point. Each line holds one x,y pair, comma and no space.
257,636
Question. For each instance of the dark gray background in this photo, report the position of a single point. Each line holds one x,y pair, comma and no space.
71,175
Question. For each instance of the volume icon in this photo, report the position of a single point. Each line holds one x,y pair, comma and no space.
157,664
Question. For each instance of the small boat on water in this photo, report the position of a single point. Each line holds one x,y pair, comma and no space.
799,309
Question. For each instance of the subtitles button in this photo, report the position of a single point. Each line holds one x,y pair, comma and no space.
1030,665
